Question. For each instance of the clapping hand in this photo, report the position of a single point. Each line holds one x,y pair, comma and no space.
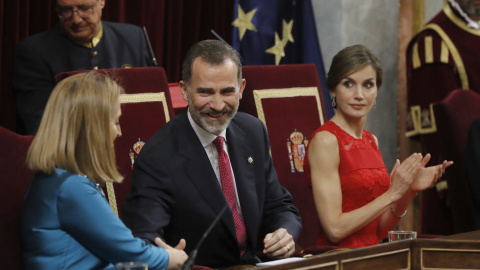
426,177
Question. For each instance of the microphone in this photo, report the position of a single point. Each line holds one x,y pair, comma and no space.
191,258
154,60
217,36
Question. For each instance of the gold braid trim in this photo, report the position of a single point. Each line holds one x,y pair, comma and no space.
455,54
136,98
283,93
458,21
147,97
111,197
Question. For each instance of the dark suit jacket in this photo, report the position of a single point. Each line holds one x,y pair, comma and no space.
175,193
472,163
42,56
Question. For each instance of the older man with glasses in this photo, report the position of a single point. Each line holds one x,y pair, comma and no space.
81,41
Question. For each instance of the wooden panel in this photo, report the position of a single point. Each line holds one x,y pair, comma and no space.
437,258
453,252
399,259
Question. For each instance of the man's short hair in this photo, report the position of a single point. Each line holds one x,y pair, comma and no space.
213,52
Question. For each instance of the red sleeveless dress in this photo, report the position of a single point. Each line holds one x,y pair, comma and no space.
363,178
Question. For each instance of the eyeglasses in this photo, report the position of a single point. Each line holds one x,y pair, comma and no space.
83,11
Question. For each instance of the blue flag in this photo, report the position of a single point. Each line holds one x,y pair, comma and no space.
278,32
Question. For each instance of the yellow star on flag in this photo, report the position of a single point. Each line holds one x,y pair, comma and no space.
287,32
277,49
244,21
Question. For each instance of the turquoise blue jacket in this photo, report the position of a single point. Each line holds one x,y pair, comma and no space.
66,223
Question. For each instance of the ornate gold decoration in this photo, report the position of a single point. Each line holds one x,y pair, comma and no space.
455,54
423,121
136,98
415,111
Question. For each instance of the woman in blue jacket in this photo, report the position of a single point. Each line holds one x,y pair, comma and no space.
66,222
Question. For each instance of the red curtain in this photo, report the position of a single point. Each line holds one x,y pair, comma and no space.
172,25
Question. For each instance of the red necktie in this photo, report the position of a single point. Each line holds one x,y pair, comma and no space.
226,178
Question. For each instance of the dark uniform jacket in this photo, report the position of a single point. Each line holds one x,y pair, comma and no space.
42,56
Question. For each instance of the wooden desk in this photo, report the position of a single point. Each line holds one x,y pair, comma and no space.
460,251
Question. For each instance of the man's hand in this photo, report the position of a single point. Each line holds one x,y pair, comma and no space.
279,244
177,256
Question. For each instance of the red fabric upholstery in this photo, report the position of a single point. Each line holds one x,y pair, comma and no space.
134,80
179,104
282,116
14,177
145,109
454,115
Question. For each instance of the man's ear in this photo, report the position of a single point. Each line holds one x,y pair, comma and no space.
242,87
183,87
101,3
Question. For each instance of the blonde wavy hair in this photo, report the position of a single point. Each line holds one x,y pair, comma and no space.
74,133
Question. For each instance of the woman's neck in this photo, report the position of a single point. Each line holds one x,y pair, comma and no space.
353,127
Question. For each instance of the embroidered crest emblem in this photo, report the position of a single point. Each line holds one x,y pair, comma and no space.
297,145
137,147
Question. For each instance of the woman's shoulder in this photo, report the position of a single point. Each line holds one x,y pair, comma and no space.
71,182
324,139
326,133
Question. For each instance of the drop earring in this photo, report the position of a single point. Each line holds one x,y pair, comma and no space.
334,101
375,102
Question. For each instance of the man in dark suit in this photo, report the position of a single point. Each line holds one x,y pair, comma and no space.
81,41
178,179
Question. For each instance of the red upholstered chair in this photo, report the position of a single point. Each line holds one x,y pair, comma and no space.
179,104
288,99
453,116
134,80
14,178
146,107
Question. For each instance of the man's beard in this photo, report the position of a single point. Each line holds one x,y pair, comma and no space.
213,127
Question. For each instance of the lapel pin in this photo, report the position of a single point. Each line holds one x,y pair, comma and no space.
250,160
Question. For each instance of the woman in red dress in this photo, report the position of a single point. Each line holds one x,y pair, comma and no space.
357,201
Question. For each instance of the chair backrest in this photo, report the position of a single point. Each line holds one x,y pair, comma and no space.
179,104
453,116
14,178
288,99
146,107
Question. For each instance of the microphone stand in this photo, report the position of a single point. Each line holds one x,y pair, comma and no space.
191,258
154,60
